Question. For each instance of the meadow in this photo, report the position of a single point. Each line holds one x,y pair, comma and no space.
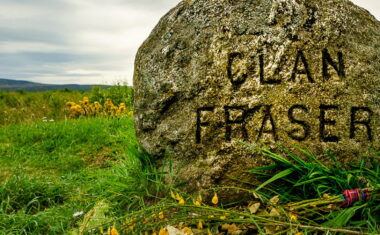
54,167
26,107
87,174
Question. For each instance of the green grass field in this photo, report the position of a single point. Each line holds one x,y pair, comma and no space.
26,107
87,175
52,170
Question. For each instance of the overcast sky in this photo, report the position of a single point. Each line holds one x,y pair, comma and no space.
81,41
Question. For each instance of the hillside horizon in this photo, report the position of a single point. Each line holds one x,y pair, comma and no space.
15,85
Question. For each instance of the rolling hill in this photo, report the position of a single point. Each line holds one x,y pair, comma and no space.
15,85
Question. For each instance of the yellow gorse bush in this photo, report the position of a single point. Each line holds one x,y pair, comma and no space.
86,108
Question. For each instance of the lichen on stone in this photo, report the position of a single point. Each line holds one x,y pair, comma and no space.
215,73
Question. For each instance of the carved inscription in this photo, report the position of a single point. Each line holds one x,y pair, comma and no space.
263,79
338,66
238,121
293,119
365,123
234,76
268,118
301,67
325,121
304,70
300,130
245,113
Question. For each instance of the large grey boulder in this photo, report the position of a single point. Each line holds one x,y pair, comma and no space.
214,73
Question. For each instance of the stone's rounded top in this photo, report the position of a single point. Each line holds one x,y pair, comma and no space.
294,72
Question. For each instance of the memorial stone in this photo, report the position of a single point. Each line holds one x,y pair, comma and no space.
215,73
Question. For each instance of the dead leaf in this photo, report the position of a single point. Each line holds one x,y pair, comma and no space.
254,207
257,196
269,230
263,212
274,212
174,231
225,226
232,229
274,200
290,208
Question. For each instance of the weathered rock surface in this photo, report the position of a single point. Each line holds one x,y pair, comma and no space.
293,72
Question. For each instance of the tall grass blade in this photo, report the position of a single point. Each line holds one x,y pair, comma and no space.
278,176
310,181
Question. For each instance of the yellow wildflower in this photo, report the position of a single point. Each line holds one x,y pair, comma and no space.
122,109
293,217
215,199
113,110
154,233
114,231
197,203
108,104
90,110
200,224
97,108
85,101
181,201
69,104
223,217
131,227
161,215
109,231
172,195
163,232
187,230
76,110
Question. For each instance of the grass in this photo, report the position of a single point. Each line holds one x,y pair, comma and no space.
21,107
94,166
298,195
298,179
52,170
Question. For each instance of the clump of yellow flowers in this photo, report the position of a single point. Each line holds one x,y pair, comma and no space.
85,108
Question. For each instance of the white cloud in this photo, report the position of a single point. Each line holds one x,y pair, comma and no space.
9,47
74,41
